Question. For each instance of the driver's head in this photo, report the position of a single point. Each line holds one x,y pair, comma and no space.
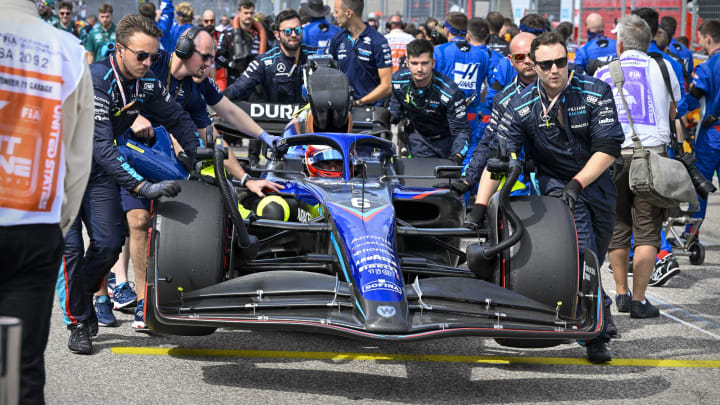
323,161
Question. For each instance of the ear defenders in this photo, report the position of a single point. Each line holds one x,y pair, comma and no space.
186,43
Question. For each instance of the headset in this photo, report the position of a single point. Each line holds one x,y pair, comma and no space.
185,46
387,24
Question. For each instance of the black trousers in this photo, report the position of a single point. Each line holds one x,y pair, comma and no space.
31,256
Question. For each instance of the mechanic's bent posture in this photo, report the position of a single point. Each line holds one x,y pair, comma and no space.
569,127
124,87
526,75
175,71
434,105
363,54
45,150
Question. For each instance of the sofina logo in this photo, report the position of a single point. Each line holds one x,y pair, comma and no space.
386,311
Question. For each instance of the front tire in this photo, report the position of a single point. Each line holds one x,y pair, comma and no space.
187,250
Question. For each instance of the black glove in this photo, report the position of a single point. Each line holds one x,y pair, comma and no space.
476,217
569,194
459,186
457,159
166,188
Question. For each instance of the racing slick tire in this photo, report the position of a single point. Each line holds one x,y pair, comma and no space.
187,248
540,267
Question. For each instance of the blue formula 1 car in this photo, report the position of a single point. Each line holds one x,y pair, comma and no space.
374,253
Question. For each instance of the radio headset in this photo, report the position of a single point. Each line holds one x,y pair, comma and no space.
185,46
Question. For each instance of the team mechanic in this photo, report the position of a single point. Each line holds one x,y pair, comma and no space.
705,92
467,65
598,50
569,127
278,71
123,88
176,71
433,103
363,54
526,74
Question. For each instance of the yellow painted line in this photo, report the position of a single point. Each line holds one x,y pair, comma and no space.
273,354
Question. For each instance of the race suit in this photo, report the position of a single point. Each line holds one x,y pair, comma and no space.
437,114
318,32
560,152
361,59
598,48
118,101
681,51
705,93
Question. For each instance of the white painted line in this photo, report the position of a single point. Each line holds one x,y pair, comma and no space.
690,325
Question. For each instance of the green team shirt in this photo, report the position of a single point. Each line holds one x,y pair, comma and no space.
97,38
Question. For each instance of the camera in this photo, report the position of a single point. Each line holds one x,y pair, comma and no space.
702,185
709,121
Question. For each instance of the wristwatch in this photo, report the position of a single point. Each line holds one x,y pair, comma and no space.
244,179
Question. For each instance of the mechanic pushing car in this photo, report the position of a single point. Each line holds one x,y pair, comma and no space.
569,127
124,87
433,103
176,71
526,75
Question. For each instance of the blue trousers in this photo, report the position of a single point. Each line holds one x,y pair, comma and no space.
708,162
82,272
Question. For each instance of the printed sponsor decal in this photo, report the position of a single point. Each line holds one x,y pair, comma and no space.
386,311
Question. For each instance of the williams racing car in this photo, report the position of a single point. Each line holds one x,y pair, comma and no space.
364,244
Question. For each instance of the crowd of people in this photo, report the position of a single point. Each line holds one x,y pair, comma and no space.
464,89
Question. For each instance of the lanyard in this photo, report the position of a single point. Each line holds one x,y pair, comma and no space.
546,110
170,78
126,105
411,100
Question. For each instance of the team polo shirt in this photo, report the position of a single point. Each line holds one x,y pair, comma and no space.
361,59
193,97
97,38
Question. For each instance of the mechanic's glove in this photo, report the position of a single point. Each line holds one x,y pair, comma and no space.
569,194
476,217
459,186
166,188
457,159
268,139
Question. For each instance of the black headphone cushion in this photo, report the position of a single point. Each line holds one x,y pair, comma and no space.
186,44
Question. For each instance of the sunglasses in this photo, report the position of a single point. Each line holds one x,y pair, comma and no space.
209,21
205,56
64,13
142,55
546,65
289,31
519,57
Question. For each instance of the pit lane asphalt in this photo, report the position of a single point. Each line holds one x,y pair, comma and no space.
671,359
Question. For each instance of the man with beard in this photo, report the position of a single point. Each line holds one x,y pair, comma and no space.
217,73
46,12
175,72
279,70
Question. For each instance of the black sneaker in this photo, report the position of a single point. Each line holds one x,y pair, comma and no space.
611,328
622,302
597,352
646,310
79,341
665,269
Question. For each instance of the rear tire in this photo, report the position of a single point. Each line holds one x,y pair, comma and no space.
544,264
189,236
